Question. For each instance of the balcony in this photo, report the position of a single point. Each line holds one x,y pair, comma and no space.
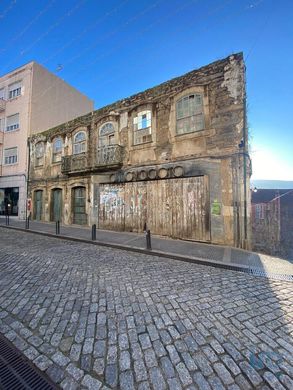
110,157
2,104
74,164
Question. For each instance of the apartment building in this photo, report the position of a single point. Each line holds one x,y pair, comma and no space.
173,158
32,99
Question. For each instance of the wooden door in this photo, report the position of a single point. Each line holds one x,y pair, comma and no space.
38,206
176,208
79,202
56,208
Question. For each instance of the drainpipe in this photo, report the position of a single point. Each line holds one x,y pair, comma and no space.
28,174
244,171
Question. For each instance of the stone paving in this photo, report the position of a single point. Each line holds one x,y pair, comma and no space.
98,318
187,249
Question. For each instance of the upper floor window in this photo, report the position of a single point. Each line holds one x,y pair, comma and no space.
189,114
14,90
12,122
2,93
107,134
39,153
57,150
79,144
142,126
1,124
10,156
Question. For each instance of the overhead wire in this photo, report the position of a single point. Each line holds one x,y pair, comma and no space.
215,9
7,9
32,21
78,70
90,27
53,25
113,32
175,31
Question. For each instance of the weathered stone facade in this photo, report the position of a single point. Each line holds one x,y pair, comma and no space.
173,157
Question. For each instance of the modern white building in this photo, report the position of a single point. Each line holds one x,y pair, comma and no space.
32,99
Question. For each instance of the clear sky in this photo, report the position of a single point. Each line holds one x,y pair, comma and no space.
112,49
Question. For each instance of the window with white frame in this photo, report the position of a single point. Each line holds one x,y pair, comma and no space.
14,90
12,122
107,134
1,124
189,114
142,127
39,154
57,150
10,156
79,143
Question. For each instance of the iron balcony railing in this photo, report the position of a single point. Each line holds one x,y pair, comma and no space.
110,155
74,163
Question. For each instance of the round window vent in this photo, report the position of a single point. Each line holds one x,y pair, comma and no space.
142,175
178,171
112,178
163,173
152,173
129,176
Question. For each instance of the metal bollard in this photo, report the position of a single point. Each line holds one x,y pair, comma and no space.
94,232
57,227
148,240
27,223
7,219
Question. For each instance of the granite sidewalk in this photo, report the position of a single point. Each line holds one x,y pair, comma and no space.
201,253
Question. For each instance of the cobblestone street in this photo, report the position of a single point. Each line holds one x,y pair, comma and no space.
95,317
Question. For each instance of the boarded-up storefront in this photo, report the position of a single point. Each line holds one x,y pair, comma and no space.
173,207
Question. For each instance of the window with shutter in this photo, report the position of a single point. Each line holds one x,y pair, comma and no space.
10,156
12,122
14,90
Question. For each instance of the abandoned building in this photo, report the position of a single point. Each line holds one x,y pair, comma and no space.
173,158
272,222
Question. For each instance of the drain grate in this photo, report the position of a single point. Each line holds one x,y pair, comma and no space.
258,272
17,373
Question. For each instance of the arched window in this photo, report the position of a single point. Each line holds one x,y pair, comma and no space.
57,150
79,144
107,135
189,114
142,127
39,154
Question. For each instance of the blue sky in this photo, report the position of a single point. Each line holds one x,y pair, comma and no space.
112,49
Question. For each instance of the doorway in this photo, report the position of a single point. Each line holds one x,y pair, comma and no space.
56,205
38,205
79,214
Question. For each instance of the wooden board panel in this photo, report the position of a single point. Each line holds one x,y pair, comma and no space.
111,208
135,197
177,208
